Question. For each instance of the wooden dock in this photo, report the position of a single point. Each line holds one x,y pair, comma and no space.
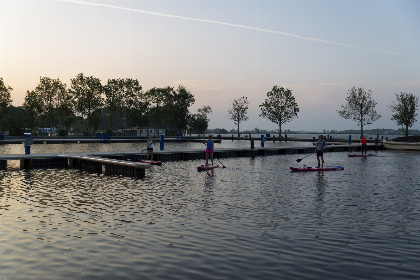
128,163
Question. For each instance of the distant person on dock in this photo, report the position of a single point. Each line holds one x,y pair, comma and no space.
321,144
364,144
209,150
150,143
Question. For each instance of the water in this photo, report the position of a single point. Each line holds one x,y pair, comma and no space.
253,219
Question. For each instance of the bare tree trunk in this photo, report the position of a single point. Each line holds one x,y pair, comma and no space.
361,130
238,130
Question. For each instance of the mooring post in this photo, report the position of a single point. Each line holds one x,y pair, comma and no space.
162,142
28,143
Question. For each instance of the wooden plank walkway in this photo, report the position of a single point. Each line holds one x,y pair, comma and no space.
189,154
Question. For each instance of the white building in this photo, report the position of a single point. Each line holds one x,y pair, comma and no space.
144,131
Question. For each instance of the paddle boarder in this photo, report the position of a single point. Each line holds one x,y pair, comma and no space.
321,144
364,144
209,150
150,143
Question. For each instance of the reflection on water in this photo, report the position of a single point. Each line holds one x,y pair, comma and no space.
252,220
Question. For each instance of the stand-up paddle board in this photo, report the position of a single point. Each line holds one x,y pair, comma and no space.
308,168
208,167
152,162
357,155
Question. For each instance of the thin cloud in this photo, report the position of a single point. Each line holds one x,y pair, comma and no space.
231,25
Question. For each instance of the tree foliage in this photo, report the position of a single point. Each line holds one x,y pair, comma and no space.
200,122
169,108
33,107
122,101
133,100
177,108
405,110
15,122
360,107
280,106
87,93
157,98
238,111
5,100
48,91
65,110
114,94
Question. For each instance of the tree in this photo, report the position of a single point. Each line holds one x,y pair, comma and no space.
280,106
157,98
48,90
238,111
405,110
199,121
5,101
132,99
15,121
177,109
87,93
33,109
360,108
65,110
114,93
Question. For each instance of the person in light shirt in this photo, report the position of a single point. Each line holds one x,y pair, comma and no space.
321,144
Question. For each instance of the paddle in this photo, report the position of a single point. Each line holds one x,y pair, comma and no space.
221,163
300,159
143,151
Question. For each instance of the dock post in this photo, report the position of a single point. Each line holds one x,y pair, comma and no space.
28,143
262,141
349,139
285,137
162,142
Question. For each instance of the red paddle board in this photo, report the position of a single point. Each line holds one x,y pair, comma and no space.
208,167
308,168
356,155
152,162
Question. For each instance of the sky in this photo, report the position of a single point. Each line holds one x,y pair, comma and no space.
220,50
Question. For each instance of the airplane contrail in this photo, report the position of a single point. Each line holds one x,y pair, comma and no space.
231,25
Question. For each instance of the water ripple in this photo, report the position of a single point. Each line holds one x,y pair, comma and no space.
252,220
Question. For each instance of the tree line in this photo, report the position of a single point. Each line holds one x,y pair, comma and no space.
280,107
86,102
125,104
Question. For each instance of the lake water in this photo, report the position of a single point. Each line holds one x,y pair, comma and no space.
253,219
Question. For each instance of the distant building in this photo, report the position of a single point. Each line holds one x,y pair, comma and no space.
143,131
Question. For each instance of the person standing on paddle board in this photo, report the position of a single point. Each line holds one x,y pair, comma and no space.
321,144
150,143
364,144
209,150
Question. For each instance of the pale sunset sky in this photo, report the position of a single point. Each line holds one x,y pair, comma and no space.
221,50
